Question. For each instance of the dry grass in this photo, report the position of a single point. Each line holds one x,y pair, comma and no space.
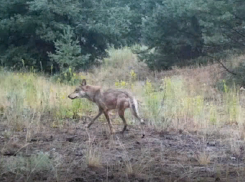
185,100
93,158
203,158
187,97
129,168
117,67
93,154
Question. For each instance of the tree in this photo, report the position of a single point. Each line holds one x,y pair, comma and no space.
30,28
180,30
68,52
222,24
173,31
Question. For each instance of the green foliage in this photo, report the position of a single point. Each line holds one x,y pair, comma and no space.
68,56
231,101
239,78
68,52
34,164
31,29
213,117
154,103
174,31
222,24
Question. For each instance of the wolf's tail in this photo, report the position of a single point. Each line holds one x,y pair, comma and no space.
134,108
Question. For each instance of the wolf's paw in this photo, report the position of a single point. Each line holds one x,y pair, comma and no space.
142,122
112,132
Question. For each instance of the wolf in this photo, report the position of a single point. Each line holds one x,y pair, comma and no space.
106,101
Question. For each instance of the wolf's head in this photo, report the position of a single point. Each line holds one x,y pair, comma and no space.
80,92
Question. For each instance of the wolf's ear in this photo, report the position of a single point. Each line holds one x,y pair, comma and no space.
83,82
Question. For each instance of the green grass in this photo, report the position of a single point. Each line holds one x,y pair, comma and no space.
173,100
37,163
184,99
24,96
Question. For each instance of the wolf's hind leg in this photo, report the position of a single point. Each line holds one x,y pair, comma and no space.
121,114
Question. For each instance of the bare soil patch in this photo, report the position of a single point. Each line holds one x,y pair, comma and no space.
168,155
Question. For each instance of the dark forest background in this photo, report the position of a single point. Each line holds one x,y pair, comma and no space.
53,35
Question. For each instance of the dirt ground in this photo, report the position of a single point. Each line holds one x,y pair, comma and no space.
164,155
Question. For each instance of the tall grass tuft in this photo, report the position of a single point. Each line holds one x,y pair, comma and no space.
182,98
26,96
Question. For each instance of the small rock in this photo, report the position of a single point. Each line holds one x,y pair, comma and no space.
34,140
110,177
70,139
79,153
217,179
78,180
211,143
163,133
168,138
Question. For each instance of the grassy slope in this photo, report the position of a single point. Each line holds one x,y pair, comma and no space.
181,99
189,95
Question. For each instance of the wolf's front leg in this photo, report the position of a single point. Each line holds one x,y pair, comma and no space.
109,122
96,117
